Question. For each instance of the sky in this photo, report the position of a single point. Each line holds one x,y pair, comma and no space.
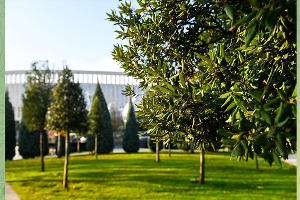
72,32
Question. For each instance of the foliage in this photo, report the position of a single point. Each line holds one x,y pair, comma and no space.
199,60
37,97
67,111
29,142
144,179
10,129
131,139
105,141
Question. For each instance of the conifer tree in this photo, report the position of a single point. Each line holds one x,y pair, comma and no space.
105,141
10,129
131,138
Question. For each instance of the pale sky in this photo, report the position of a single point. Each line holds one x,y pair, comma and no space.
72,32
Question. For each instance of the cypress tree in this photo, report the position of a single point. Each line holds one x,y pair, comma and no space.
105,141
131,138
10,129
96,123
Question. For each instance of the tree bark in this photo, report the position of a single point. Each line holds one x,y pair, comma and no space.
41,151
65,182
78,145
256,162
58,146
202,165
96,146
157,153
192,146
169,147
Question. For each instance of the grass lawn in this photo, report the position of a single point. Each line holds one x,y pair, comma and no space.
138,176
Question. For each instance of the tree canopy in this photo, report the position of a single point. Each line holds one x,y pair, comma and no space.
10,129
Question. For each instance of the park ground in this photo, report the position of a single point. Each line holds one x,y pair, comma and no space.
138,176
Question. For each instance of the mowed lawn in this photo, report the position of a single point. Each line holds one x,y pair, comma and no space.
138,176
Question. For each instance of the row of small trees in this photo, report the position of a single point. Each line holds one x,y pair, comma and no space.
62,108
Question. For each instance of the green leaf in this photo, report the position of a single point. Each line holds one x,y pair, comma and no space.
232,105
251,32
229,11
266,117
281,124
277,159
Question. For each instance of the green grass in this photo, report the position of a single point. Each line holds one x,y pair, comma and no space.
138,176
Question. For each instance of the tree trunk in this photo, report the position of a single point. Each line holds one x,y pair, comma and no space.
58,146
65,183
169,147
256,161
192,146
41,151
96,146
78,145
157,152
202,165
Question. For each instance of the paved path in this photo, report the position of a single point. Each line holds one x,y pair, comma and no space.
292,159
10,194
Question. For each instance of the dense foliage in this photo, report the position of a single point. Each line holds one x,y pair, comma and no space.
67,111
106,140
29,142
10,129
131,139
214,69
36,100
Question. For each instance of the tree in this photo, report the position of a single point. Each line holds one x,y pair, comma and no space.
10,129
197,61
36,100
106,141
155,146
131,139
29,142
96,123
67,111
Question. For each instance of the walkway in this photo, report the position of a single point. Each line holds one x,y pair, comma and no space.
292,159
10,194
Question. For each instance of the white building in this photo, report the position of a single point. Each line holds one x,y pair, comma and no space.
112,84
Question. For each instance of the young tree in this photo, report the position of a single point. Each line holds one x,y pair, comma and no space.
36,100
96,123
10,129
131,139
67,111
105,142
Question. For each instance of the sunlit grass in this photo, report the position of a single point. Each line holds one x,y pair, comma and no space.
138,176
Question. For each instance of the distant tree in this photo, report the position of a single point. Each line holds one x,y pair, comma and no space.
106,141
29,142
10,129
96,122
36,100
67,111
131,138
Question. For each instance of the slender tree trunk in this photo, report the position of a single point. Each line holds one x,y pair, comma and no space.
192,146
78,145
65,182
256,161
58,146
41,151
96,146
169,148
157,153
202,166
